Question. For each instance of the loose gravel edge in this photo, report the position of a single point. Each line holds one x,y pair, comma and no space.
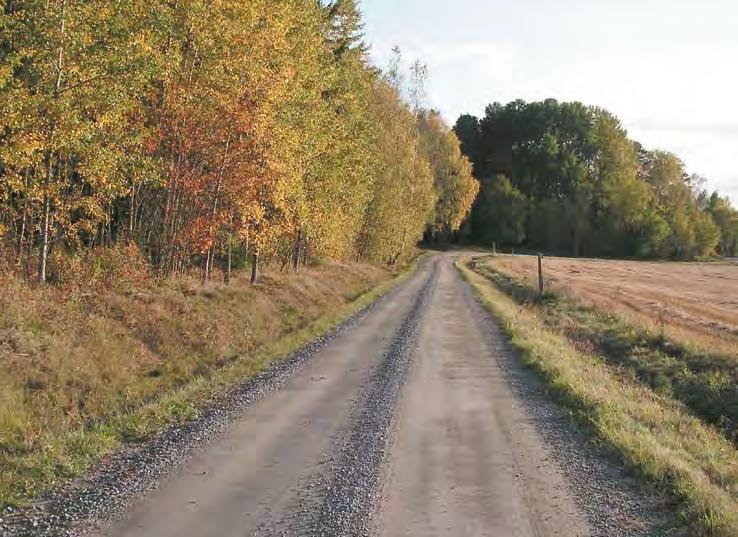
612,499
342,498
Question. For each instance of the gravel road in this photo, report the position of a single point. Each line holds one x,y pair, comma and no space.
411,420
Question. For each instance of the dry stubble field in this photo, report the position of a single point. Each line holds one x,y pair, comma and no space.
694,302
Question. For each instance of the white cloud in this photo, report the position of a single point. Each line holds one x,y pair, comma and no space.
453,86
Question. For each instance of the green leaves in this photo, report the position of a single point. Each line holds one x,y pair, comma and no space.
588,188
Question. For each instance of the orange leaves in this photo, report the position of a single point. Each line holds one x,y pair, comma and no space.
200,234
201,123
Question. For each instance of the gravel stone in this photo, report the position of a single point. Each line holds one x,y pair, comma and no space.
615,502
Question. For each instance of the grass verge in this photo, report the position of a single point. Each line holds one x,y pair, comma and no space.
652,433
706,382
85,371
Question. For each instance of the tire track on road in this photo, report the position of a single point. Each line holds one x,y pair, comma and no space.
343,499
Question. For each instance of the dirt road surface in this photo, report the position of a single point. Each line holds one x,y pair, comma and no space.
460,464
406,424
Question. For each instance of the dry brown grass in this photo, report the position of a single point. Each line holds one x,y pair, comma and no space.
85,367
695,303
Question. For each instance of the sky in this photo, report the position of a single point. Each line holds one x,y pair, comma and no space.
667,69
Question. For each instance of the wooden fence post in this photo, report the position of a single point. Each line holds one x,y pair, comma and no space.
540,275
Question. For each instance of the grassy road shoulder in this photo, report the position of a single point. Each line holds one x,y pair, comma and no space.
84,373
705,380
652,433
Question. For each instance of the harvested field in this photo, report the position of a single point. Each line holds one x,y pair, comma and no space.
695,303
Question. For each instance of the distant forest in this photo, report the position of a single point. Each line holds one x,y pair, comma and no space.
565,178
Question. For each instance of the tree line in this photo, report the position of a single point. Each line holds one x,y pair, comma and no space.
566,178
209,132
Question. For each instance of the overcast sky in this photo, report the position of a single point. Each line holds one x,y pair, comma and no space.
667,69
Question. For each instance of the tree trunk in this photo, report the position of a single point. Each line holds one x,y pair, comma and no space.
21,238
296,251
111,239
22,234
206,267
44,247
254,268
229,263
132,211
